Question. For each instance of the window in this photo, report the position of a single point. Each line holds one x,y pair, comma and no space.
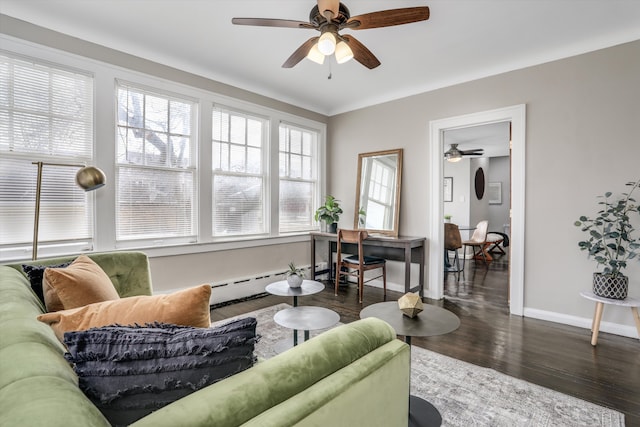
46,114
238,187
298,178
156,176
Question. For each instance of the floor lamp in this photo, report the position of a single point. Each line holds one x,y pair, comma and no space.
88,178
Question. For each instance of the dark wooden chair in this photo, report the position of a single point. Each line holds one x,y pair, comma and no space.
355,265
452,242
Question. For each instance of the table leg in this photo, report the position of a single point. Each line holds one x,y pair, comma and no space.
306,335
421,412
295,337
595,326
407,269
634,310
312,266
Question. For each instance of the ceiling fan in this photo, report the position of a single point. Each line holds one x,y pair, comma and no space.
455,155
329,17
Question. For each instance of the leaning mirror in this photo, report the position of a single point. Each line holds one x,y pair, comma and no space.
377,207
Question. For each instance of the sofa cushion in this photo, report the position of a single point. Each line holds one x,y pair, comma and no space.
188,307
128,372
82,282
35,273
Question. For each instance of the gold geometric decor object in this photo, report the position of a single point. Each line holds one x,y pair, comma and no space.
410,304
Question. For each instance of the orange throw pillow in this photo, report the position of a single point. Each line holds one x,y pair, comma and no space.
82,282
188,307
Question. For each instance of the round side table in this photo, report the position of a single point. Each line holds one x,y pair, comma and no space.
634,303
429,322
282,289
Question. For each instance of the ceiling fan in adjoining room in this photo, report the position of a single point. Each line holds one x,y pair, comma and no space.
454,154
329,17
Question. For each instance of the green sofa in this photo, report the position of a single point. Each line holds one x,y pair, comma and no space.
353,375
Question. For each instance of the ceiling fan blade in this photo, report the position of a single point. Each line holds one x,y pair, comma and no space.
332,6
266,22
474,152
361,53
300,53
387,18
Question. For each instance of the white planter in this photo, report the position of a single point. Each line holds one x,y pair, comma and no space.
294,281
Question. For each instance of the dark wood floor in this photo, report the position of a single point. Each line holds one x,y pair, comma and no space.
552,355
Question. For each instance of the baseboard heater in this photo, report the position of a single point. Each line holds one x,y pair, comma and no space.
247,287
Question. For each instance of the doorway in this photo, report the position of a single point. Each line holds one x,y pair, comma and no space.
477,187
516,116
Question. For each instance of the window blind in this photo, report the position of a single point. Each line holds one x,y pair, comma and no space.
298,178
238,202
46,114
155,178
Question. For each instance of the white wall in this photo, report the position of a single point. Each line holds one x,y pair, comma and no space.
583,109
459,208
499,213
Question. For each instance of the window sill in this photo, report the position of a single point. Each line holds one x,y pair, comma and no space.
194,248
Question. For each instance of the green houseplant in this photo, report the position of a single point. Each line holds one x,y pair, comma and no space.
329,213
294,276
610,241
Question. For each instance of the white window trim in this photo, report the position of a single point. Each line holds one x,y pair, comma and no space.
105,77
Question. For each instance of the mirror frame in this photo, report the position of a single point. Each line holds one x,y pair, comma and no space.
396,208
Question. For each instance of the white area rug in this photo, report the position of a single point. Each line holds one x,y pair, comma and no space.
468,395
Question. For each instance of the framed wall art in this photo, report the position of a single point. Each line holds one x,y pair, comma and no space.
495,193
448,189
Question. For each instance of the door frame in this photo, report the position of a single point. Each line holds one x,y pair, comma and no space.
516,115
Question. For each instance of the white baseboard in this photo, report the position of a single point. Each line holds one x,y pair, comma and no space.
581,322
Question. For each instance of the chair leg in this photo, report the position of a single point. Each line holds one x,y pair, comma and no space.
360,284
338,270
464,255
456,260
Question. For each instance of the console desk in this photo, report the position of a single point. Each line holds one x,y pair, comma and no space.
402,248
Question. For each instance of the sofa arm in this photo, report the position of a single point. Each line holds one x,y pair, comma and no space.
322,368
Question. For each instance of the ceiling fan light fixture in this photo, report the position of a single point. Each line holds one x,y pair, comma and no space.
327,43
315,55
453,158
453,154
343,52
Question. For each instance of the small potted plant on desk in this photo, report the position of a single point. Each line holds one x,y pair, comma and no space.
329,213
294,276
611,243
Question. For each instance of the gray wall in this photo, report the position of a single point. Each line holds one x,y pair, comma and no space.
582,139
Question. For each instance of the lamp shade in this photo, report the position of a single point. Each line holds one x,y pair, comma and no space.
315,55
343,52
90,178
327,43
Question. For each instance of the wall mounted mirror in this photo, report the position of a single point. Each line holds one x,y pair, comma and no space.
378,192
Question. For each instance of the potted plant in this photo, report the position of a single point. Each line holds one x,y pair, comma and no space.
447,218
362,218
294,276
611,243
329,213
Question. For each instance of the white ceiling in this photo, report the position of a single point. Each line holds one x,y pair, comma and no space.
463,40
492,138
